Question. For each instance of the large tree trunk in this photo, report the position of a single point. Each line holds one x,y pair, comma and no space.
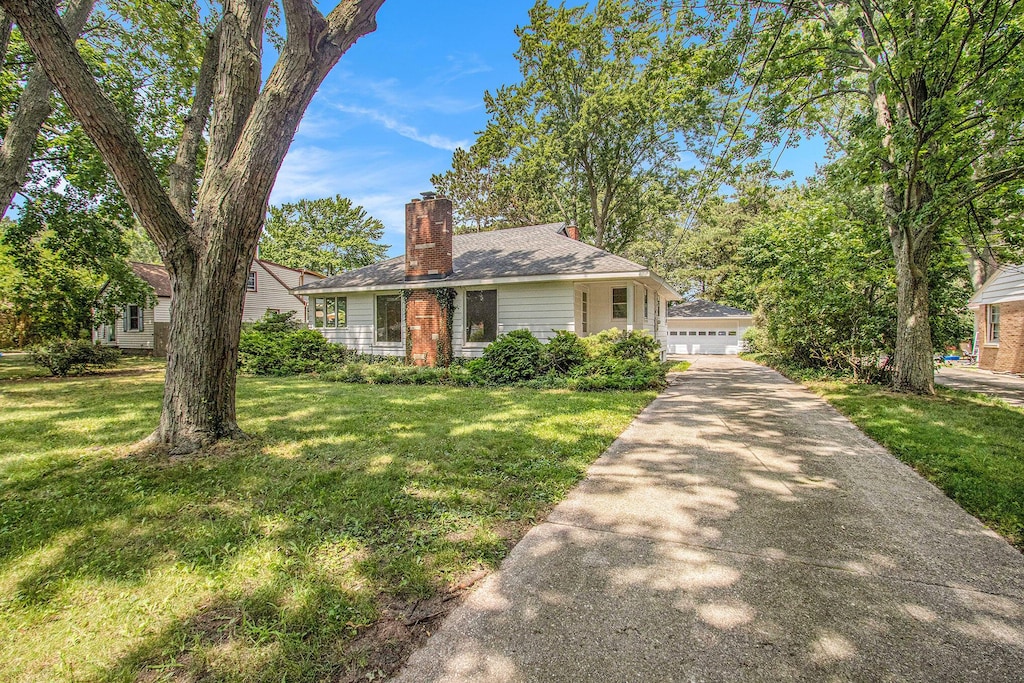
914,367
202,359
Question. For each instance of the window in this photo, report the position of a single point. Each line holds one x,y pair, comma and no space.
993,323
389,318
702,333
645,304
250,282
584,312
482,315
721,333
693,333
133,321
732,333
111,335
619,303
329,311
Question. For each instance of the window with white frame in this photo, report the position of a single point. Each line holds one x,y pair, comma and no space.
389,318
482,315
620,301
584,312
250,282
329,312
993,323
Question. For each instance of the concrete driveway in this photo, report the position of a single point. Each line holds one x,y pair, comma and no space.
741,529
1010,388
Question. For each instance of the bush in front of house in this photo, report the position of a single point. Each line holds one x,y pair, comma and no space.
63,357
564,353
278,346
516,356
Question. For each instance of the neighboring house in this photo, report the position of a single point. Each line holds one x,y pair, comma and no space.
146,328
999,321
540,278
703,327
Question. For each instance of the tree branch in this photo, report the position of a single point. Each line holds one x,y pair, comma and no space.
182,172
33,110
100,118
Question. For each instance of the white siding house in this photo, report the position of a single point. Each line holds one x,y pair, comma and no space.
706,328
539,278
145,329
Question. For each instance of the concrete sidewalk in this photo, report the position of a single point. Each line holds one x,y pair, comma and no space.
1009,388
741,529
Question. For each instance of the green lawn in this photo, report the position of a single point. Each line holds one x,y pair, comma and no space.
969,446
267,560
16,365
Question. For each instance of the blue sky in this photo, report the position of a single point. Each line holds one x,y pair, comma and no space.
403,98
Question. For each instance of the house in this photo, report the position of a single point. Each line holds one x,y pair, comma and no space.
146,328
999,321
703,327
454,294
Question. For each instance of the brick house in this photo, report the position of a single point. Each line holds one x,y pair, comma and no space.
145,329
999,321
451,295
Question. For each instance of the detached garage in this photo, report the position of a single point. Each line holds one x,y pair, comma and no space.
704,327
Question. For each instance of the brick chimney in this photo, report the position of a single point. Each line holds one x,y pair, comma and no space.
428,238
572,232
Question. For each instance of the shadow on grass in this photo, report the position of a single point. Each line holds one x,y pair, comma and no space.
263,560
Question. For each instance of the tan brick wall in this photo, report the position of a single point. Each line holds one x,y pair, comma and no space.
426,326
1008,356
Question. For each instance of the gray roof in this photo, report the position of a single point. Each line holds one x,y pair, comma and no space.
514,252
698,308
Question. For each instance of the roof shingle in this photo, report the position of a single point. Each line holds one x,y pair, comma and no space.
514,252
698,308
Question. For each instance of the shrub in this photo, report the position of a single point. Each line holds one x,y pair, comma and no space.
289,352
610,373
66,356
564,352
613,342
512,357
276,323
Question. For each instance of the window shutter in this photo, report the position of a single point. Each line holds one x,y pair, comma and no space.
124,319
142,318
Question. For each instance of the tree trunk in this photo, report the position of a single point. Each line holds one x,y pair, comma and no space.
914,364
202,358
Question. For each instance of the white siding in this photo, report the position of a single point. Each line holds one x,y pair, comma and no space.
269,294
540,307
358,333
1006,285
162,313
135,340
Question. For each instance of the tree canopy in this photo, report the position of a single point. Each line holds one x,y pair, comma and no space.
328,235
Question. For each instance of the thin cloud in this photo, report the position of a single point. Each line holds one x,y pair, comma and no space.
405,130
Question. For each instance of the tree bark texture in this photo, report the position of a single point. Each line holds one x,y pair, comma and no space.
914,365
32,111
207,244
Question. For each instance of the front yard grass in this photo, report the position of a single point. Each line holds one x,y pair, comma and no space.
271,559
969,446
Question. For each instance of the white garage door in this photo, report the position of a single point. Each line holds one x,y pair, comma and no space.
704,341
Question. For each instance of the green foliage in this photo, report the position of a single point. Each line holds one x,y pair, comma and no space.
282,351
513,357
276,323
611,96
564,353
328,235
63,357
822,276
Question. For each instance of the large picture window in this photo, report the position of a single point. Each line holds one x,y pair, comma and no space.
620,307
389,318
329,312
482,315
993,323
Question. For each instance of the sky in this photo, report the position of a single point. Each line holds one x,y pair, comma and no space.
403,98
